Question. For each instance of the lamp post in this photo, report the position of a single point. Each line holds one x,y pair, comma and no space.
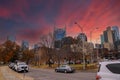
82,46
91,34
97,47
91,42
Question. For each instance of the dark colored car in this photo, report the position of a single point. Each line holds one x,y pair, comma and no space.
65,69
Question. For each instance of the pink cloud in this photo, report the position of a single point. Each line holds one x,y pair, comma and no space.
96,15
88,14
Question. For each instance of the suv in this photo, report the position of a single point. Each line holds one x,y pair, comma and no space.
108,70
21,66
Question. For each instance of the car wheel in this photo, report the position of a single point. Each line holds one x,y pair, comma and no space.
26,70
17,70
56,70
65,71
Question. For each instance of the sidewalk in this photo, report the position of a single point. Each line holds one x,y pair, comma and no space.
8,74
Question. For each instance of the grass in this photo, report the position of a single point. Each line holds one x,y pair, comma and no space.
45,66
80,66
76,66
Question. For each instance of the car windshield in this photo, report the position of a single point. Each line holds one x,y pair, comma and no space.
22,64
114,68
63,66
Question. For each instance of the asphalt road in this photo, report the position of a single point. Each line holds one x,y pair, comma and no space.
49,74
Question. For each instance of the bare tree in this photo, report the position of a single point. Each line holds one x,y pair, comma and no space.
47,41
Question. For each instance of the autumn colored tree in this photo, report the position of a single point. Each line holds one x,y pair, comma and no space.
27,55
8,51
1,54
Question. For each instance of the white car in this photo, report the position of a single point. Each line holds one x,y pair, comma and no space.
108,70
11,65
21,66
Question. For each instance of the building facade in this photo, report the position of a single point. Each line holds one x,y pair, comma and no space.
58,34
116,32
82,36
25,45
11,38
108,38
102,39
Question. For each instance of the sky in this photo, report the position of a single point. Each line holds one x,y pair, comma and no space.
30,19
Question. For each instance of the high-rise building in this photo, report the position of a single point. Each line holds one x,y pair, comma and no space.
105,36
36,46
110,35
102,39
25,45
82,36
11,38
116,36
59,34
115,32
108,38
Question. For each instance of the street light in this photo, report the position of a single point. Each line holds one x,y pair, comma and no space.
91,33
79,26
97,47
82,46
91,41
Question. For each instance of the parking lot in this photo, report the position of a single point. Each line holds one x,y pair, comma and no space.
10,74
50,74
46,74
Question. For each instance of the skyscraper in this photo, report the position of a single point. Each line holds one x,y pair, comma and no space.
116,36
102,39
115,32
109,35
105,36
25,45
108,38
59,34
11,38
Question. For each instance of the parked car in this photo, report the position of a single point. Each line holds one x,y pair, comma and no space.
21,66
78,62
108,70
11,65
65,69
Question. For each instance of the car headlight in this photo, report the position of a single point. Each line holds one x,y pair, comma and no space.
18,67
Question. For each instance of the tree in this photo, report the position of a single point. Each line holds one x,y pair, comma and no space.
68,52
8,51
67,40
27,55
47,42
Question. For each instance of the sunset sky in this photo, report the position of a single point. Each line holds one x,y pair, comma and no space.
29,19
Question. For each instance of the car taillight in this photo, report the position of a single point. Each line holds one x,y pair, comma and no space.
98,77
